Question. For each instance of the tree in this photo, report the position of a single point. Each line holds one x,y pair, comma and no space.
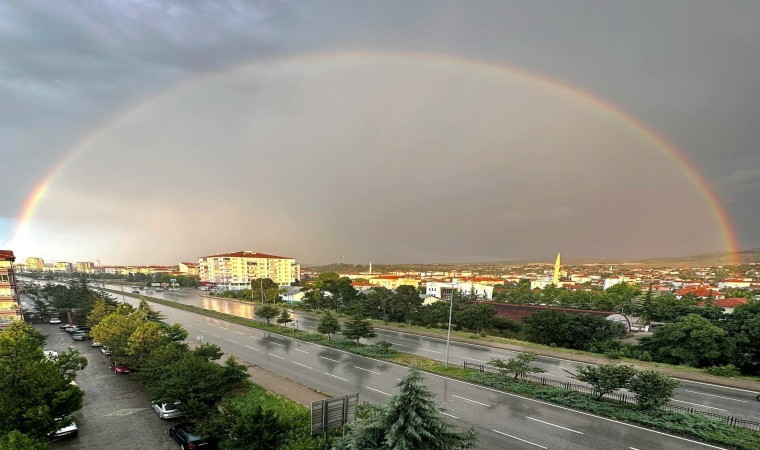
519,365
36,394
377,303
577,331
744,326
409,421
693,341
41,306
605,378
284,318
197,382
100,310
266,312
652,389
358,328
328,324
16,440
115,330
476,317
404,304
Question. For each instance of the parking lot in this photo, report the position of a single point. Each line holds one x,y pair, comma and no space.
116,412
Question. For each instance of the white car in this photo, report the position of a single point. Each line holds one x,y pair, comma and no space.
50,354
69,430
165,411
55,321
96,344
104,350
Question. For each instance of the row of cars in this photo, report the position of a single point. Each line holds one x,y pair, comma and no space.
183,433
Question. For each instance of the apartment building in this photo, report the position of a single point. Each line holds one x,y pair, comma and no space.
85,267
235,271
188,268
393,281
10,309
63,267
34,264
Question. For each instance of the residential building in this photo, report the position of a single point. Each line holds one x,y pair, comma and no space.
235,271
393,281
63,267
444,291
85,267
35,264
188,268
10,309
735,283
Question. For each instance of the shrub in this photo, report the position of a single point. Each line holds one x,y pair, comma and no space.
645,356
724,371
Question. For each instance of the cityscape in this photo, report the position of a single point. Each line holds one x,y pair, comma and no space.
374,225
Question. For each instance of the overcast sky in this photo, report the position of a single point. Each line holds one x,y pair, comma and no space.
369,131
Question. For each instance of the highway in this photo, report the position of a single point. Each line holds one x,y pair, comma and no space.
706,397
502,420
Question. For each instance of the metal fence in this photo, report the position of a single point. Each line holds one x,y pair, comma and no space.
622,398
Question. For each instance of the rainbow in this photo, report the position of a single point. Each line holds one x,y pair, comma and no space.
588,99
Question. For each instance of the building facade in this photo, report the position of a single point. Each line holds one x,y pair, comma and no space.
63,267
188,268
35,264
235,271
393,281
10,309
85,267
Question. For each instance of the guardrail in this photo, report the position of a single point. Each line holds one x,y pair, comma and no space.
622,398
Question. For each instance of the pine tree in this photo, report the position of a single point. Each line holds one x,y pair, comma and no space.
409,421
358,328
284,319
328,324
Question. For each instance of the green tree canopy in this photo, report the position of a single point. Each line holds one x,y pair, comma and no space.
604,378
328,324
284,318
651,389
36,393
358,328
520,365
693,341
266,312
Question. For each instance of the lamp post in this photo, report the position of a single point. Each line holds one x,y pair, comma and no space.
448,334
295,327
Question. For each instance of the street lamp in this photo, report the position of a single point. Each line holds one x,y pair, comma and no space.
295,327
448,334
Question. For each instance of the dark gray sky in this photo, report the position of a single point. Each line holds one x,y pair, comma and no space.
328,130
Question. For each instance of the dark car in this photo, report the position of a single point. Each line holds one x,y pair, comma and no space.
184,435
81,336
119,367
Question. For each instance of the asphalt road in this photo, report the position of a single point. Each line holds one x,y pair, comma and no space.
502,420
706,397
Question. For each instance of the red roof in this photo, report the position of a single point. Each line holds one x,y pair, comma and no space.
730,302
188,264
360,284
699,291
246,254
7,255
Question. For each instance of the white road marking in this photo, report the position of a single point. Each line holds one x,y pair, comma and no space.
719,386
302,365
252,348
236,342
521,440
367,370
200,329
469,400
548,423
478,360
697,404
633,448
378,390
431,351
215,335
236,331
299,350
277,343
446,414
340,378
270,354
719,396
329,359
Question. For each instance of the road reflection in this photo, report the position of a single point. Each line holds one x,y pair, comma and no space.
232,308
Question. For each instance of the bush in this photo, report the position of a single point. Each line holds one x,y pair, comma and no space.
728,370
645,356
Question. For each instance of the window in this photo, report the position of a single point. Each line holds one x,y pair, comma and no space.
4,278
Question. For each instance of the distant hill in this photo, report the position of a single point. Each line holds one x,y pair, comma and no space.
706,259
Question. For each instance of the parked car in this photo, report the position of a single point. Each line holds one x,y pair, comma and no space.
183,434
81,336
167,411
104,350
120,368
66,431
96,344
55,321
68,327
50,354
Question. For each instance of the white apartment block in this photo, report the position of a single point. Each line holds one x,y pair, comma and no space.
445,290
235,271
